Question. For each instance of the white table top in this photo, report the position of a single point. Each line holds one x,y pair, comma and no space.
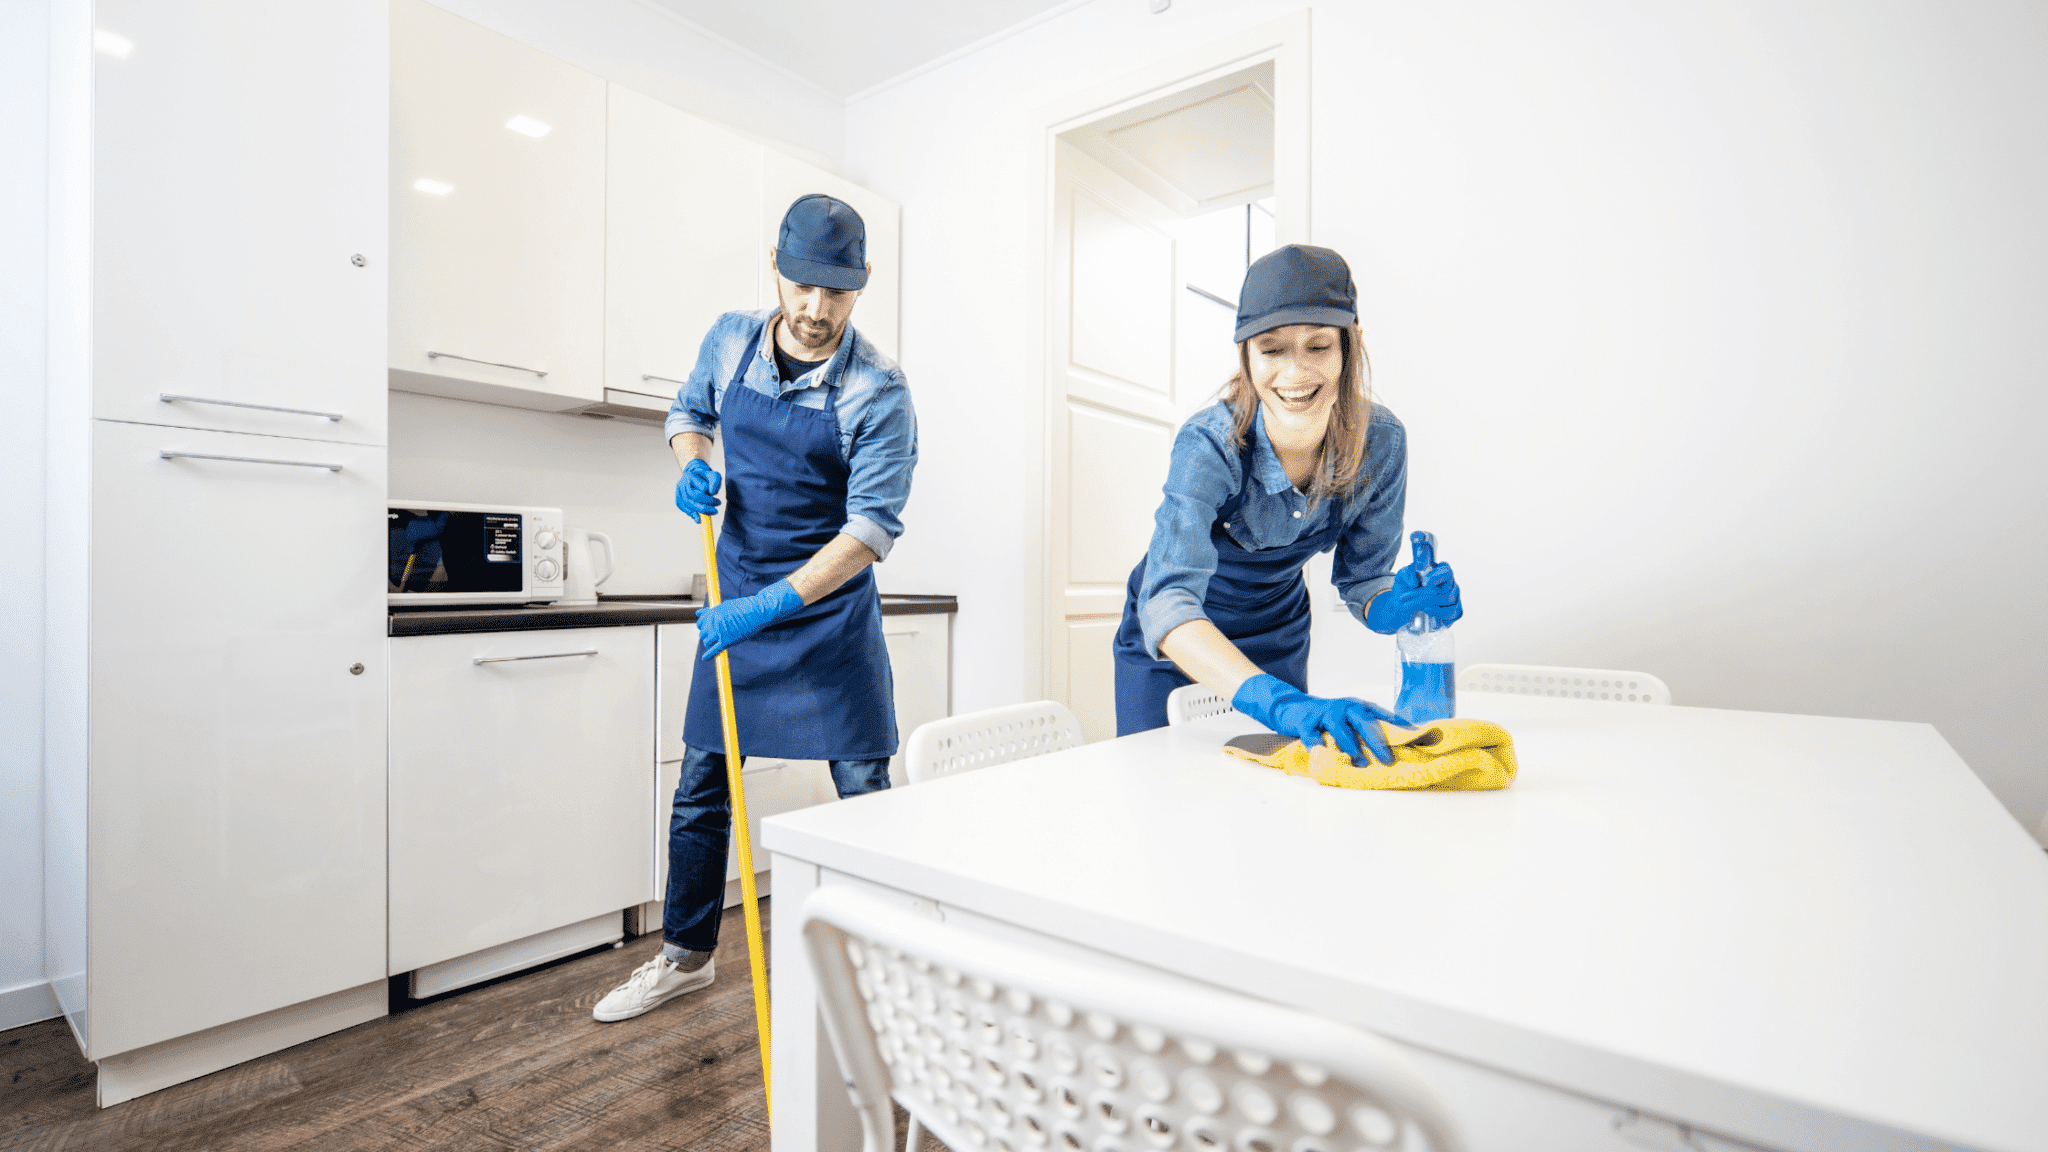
1792,928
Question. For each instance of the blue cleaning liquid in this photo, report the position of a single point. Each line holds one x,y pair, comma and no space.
1428,692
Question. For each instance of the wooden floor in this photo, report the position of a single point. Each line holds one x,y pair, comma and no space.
514,1065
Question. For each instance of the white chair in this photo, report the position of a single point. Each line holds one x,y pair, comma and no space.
1577,683
999,1045
995,736
1191,702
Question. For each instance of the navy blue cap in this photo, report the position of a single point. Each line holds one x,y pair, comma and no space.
1298,284
824,243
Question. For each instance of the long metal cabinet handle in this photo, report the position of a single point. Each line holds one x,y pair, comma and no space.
167,454
167,397
543,656
663,379
491,363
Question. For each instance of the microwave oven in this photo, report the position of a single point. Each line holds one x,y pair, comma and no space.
445,553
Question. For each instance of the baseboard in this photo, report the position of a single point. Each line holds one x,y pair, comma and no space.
26,1004
515,956
146,1070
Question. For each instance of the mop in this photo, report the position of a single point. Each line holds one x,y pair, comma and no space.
748,901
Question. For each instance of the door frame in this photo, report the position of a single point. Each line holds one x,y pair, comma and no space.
1285,42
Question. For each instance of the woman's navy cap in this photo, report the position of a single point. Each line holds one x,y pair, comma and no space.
1298,284
824,243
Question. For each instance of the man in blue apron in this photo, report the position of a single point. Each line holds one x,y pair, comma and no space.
820,441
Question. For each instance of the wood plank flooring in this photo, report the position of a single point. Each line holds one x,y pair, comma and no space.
518,1064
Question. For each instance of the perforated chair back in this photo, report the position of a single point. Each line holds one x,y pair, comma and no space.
1191,702
1576,683
1000,1045
994,736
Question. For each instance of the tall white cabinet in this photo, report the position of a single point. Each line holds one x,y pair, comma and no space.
216,881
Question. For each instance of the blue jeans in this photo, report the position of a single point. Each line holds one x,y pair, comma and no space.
699,835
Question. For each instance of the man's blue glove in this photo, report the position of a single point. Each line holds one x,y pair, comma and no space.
724,625
1423,586
696,489
1291,712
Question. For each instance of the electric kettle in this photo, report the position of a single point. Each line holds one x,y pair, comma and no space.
580,578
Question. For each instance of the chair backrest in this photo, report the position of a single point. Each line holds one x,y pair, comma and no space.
995,736
1577,683
1001,1045
1191,702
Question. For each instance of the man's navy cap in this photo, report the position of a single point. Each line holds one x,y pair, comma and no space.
824,243
1297,284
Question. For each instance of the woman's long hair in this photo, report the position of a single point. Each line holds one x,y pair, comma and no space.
1343,450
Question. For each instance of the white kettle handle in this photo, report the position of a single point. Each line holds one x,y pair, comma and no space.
609,561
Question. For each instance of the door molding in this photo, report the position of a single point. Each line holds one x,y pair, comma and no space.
1285,42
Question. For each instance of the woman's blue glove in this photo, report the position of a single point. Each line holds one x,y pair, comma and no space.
1291,712
1423,586
724,625
696,489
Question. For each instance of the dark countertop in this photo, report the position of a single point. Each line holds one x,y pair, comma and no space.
608,612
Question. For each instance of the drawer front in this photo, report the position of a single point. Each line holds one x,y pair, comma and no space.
521,770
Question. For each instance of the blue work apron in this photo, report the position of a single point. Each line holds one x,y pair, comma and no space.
814,685
1257,598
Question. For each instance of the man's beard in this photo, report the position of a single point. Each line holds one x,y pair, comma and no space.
804,331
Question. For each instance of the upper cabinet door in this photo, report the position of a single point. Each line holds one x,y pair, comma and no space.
497,216
674,260
239,212
783,179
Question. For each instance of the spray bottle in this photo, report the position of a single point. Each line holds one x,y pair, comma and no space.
1429,689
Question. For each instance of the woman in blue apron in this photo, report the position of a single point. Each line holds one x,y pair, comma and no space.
1295,459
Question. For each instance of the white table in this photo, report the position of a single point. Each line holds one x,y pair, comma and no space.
1798,932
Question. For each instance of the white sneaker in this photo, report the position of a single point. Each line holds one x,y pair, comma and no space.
650,986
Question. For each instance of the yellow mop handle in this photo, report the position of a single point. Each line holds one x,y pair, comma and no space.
749,903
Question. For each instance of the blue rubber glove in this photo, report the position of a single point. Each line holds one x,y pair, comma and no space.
696,488
724,625
1353,724
1423,586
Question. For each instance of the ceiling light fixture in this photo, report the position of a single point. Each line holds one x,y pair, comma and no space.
527,126
112,44
433,187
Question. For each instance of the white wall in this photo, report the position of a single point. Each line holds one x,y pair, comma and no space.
640,46
24,91
607,475
1716,330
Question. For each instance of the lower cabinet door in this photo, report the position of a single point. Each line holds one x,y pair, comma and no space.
521,767
920,651
236,836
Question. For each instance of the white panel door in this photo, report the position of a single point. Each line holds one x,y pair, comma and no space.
680,246
783,180
1113,414
497,216
521,769
237,758
239,210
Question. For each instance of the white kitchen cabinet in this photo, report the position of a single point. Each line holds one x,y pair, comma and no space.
783,180
239,216
520,767
674,261
920,657
236,830
497,216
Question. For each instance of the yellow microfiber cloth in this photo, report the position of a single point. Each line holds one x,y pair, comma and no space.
1451,755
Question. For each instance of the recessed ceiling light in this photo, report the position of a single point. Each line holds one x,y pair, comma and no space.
433,187
112,44
527,126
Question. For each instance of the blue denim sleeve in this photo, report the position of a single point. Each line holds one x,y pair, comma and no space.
1206,471
884,455
696,404
1370,544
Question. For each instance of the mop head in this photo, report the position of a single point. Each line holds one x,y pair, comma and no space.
1455,755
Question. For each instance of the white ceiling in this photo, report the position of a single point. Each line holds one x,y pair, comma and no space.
846,46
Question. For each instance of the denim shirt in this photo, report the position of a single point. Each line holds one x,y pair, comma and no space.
877,426
1208,470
